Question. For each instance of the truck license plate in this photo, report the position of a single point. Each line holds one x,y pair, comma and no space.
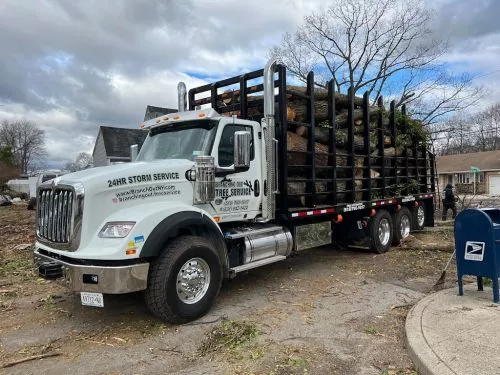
92,299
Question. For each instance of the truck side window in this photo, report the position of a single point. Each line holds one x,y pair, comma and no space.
226,144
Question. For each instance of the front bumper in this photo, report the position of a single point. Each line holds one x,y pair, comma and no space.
98,279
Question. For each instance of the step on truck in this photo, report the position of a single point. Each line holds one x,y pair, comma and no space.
213,193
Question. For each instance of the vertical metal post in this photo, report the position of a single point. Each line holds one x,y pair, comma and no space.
367,168
311,142
381,138
433,173
351,160
405,131
426,165
282,129
243,96
213,97
392,125
332,145
191,100
416,163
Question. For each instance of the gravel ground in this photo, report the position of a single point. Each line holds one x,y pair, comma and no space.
323,311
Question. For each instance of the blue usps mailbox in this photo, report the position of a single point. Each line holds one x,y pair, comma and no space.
477,245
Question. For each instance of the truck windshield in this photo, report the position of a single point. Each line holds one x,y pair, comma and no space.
179,141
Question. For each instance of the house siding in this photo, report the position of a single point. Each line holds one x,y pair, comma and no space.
99,156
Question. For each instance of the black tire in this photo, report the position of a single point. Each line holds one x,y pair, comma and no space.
380,243
162,297
32,204
419,217
402,221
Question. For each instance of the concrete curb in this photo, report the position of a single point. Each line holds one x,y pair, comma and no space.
423,356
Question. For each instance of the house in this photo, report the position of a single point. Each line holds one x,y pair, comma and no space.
153,112
113,144
458,171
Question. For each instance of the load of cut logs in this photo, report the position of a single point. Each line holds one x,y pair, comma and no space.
297,139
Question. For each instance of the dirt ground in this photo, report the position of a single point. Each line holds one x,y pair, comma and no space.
323,311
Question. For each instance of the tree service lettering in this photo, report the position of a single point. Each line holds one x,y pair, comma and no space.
143,178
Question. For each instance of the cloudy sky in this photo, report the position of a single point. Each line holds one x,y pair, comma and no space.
72,66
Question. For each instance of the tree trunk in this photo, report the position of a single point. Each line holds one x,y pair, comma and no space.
298,143
341,101
322,136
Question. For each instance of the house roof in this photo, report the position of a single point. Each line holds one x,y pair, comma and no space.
485,161
117,141
153,112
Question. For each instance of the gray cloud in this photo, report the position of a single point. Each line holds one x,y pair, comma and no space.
72,66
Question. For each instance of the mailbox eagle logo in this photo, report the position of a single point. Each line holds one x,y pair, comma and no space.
474,251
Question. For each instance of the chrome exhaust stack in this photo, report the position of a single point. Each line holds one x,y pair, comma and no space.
181,97
269,159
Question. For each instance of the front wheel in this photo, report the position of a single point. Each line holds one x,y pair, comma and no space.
381,232
184,280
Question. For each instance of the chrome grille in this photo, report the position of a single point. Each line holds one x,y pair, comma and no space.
55,219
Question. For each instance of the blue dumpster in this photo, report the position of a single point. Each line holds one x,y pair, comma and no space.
477,245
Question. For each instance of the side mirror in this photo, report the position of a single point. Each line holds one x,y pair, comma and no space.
133,152
242,149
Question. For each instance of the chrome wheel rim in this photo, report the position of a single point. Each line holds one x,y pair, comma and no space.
420,216
384,232
193,280
404,226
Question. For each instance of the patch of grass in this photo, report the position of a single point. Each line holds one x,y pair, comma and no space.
230,334
256,353
400,371
15,267
371,330
290,365
9,294
48,302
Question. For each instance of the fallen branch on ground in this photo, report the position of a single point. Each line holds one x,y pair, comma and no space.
32,358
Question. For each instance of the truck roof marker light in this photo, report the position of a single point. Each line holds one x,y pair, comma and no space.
177,117
201,115
217,219
373,212
158,121
165,118
130,251
338,219
143,126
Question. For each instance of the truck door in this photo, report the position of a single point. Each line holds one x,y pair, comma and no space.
237,195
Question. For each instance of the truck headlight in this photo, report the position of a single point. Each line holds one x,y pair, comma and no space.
116,229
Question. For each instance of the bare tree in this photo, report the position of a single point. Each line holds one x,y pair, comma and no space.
470,133
378,46
82,161
26,140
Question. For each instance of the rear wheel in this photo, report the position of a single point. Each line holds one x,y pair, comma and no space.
381,232
402,225
184,280
419,217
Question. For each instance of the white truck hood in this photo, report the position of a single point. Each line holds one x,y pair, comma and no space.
109,190
122,177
